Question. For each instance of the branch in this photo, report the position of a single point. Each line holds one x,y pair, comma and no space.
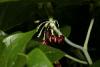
75,59
77,46
88,34
67,40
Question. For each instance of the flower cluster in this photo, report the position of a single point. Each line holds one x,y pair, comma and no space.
49,36
56,39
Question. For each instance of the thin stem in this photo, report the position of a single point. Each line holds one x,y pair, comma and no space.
67,40
87,56
40,25
75,45
53,26
40,32
88,34
75,59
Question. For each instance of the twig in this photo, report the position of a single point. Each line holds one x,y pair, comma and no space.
67,40
78,46
75,59
88,34
85,48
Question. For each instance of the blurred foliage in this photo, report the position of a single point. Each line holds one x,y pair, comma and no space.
96,64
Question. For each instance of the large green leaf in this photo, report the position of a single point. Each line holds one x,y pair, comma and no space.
16,45
20,60
53,54
36,58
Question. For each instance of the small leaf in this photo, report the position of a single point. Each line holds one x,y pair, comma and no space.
36,58
66,30
16,45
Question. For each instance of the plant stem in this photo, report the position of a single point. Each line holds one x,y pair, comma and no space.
67,40
85,48
75,59
76,46
87,56
88,34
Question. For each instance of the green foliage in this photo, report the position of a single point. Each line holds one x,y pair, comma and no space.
36,58
2,45
66,30
2,35
13,53
52,53
20,60
16,45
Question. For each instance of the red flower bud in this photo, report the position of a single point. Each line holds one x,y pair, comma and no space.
60,39
53,39
45,42
57,65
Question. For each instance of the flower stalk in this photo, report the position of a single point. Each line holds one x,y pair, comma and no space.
51,23
84,48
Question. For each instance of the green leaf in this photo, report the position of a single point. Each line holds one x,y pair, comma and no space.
53,54
16,44
36,58
20,60
66,30
2,45
31,45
